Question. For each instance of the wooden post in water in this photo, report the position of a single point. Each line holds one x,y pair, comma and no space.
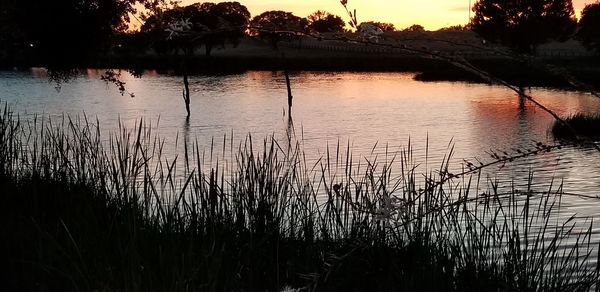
186,92
289,91
186,83
290,125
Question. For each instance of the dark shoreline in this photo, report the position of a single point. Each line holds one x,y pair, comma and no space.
82,217
584,69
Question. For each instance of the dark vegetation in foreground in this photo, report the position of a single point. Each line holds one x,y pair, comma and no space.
587,125
88,212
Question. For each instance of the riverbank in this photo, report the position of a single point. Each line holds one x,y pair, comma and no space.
312,55
85,213
584,69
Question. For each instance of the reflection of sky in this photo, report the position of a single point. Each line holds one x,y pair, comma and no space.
432,14
363,109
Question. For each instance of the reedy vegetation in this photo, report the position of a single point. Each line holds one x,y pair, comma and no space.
83,211
588,125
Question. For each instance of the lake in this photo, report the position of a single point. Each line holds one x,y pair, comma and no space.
367,111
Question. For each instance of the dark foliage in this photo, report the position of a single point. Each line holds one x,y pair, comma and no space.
61,32
415,27
277,25
589,26
457,27
85,212
523,25
321,21
585,125
211,25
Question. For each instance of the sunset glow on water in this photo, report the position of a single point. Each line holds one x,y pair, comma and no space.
300,145
365,111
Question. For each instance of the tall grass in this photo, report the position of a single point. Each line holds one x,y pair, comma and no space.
587,125
82,211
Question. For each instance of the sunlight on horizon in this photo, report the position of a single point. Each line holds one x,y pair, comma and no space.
432,14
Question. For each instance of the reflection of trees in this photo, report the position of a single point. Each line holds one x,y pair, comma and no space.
505,121
290,133
511,126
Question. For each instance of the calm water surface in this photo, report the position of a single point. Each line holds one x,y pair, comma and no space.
362,109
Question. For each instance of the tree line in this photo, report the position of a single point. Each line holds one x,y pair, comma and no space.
63,31
69,31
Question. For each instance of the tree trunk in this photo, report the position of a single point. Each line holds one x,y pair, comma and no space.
186,92
289,91
186,84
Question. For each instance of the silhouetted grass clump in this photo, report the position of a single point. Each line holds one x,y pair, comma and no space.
81,211
587,125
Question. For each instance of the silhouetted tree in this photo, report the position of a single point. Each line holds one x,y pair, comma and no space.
524,24
457,27
382,25
277,25
589,26
205,24
225,22
415,27
322,22
66,31
211,24
11,38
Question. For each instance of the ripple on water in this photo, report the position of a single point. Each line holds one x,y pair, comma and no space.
359,109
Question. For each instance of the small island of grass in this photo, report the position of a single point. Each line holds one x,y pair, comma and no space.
584,124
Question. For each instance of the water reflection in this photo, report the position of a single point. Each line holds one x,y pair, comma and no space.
186,129
363,108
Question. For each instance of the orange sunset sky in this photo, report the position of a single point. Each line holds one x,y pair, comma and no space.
432,14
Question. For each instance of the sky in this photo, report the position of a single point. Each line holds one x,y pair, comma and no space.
432,14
